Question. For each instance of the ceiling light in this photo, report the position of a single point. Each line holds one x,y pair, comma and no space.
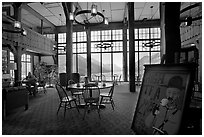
90,17
94,10
71,16
106,21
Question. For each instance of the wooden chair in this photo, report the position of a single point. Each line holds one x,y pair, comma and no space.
107,98
65,100
91,95
75,93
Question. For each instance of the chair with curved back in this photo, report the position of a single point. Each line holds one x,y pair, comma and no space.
75,77
91,95
65,100
107,98
75,93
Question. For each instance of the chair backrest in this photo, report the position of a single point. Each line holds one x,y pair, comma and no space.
63,79
94,77
71,82
91,93
112,89
61,91
75,77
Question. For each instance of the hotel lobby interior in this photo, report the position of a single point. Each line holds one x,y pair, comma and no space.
101,68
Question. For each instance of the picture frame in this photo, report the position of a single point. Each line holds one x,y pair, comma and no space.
164,99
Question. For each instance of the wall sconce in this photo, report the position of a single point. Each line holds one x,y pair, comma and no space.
17,29
24,32
17,24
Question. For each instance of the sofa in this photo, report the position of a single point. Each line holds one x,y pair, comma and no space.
14,97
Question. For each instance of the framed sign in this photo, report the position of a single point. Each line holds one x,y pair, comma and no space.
164,99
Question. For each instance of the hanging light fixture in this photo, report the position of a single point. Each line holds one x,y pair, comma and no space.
94,10
71,16
106,21
104,45
89,17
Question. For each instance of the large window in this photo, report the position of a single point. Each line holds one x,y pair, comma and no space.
109,61
148,53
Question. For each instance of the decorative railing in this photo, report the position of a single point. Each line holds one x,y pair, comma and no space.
33,41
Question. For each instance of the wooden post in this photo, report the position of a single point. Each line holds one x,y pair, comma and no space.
131,46
88,33
125,52
69,30
172,31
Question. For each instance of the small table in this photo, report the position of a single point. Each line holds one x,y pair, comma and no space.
80,86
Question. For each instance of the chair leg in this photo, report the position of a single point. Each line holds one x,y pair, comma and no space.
112,104
76,106
65,107
85,109
59,107
44,90
79,99
101,99
98,110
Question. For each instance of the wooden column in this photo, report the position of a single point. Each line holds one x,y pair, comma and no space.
41,27
18,50
57,54
171,31
69,30
88,33
125,52
131,46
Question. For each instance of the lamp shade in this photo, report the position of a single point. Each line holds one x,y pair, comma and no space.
71,16
17,24
12,66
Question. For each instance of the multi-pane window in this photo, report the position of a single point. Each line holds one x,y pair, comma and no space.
109,61
81,37
95,36
61,48
11,61
144,33
155,33
62,38
50,36
26,65
106,35
117,34
147,44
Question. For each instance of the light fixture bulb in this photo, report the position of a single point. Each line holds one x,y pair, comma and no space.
106,21
24,32
93,10
17,24
71,16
